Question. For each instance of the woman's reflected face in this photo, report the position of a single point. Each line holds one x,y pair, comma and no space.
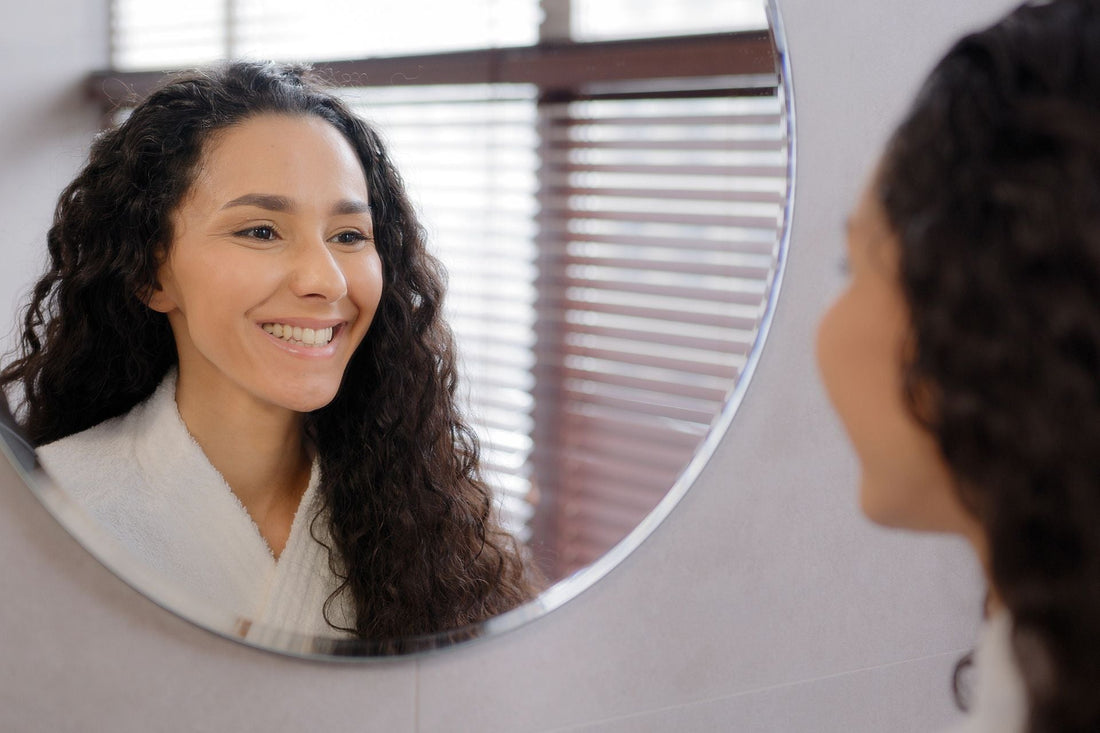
861,350
272,278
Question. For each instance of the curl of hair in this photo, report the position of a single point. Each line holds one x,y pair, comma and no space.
415,541
992,184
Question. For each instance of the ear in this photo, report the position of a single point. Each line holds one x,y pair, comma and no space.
159,300
158,297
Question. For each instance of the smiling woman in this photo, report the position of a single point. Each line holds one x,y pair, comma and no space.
237,364
249,284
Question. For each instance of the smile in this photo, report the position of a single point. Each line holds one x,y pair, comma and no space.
298,335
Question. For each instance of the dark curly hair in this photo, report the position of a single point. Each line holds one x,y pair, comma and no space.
416,542
992,184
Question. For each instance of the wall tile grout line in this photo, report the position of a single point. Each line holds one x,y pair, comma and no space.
758,690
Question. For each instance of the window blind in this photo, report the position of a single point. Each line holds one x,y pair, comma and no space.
598,20
658,244
155,35
468,156
158,35
148,35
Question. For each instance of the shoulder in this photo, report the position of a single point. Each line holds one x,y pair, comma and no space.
103,461
106,468
93,460
88,463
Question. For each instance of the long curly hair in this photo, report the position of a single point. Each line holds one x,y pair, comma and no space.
415,540
992,184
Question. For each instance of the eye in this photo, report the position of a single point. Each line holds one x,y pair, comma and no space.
262,232
351,237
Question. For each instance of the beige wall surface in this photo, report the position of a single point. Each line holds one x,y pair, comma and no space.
47,48
764,603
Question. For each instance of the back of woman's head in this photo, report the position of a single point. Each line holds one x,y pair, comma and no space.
90,347
992,184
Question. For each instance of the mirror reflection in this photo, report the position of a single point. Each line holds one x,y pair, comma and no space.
239,361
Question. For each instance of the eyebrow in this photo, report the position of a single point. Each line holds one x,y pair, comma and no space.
272,202
350,206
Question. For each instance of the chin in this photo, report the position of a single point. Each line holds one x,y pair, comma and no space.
881,503
310,400
875,512
899,505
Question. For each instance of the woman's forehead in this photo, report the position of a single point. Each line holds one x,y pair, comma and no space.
298,157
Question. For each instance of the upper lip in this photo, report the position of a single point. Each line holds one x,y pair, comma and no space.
314,323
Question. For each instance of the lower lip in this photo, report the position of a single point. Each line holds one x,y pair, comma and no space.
308,352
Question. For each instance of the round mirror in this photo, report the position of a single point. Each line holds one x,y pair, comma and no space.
607,185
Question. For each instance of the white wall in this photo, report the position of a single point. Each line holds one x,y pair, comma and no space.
47,48
764,603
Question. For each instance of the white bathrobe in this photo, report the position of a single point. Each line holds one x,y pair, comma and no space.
151,486
999,703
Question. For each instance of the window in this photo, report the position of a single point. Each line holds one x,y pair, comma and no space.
607,201
156,35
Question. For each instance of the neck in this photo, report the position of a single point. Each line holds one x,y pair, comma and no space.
258,448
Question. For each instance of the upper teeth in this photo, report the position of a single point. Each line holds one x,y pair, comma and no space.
308,336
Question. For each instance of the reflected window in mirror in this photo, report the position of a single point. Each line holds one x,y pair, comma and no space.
607,188
610,256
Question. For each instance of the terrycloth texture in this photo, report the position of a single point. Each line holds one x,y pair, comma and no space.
149,483
999,703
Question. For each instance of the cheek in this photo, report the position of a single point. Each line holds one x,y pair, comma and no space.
833,351
845,367
365,283
224,276
859,344
214,296
902,478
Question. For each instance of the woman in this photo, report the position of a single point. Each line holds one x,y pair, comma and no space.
237,361
964,356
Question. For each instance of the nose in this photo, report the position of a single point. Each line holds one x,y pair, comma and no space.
316,273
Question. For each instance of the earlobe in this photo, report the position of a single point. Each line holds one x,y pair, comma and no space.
157,299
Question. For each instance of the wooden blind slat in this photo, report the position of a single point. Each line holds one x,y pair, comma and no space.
769,120
684,386
688,267
733,295
705,195
728,370
744,318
